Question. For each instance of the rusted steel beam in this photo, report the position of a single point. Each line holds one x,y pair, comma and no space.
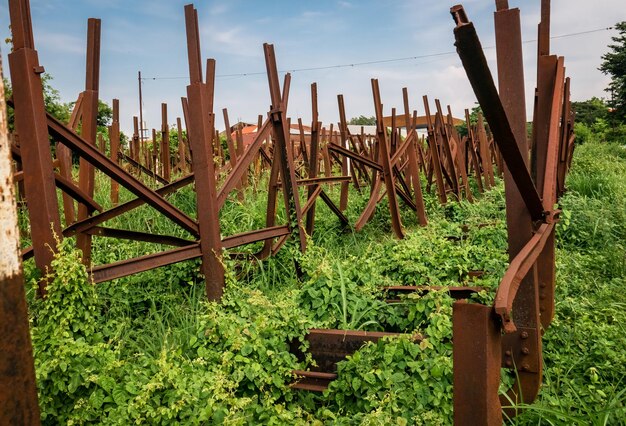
114,171
475,64
134,143
388,177
254,236
165,143
18,390
201,128
476,354
525,306
64,155
182,163
30,119
75,192
354,156
123,208
414,176
313,165
125,234
241,166
127,267
89,127
141,168
114,136
282,152
233,155
434,153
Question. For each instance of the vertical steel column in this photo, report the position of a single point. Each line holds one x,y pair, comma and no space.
30,124
414,171
396,223
200,127
434,155
165,143
476,359
182,161
313,158
519,222
89,127
18,391
282,148
114,136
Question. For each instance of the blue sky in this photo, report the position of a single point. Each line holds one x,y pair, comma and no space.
150,36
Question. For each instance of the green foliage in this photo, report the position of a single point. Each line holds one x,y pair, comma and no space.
614,65
589,111
362,120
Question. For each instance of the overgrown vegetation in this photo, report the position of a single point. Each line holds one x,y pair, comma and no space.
150,349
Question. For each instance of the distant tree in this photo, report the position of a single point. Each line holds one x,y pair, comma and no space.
362,120
614,65
589,111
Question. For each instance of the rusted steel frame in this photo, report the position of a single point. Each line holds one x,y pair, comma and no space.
485,153
434,153
459,156
256,235
475,64
566,130
411,137
343,197
283,149
68,187
354,156
549,189
449,157
313,164
310,202
201,129
153,160
241,166
43,208
76,143
303,150
134,143
472,149
64,155
126,234
244,177
347,138
232,152
136,265
165,143
182,163
123,208
18,389
525,306
270,213
476,363
318,180
388,177
86,174
518,268
114,136
140,167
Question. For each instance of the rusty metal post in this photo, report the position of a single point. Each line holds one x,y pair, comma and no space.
476,362
30,124
413,164
282,148
114,136
388,177
200,127
313,158
89,127
18,391
182,161
519,221
165,144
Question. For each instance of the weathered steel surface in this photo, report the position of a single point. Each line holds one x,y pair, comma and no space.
18,390
476,358
30,124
